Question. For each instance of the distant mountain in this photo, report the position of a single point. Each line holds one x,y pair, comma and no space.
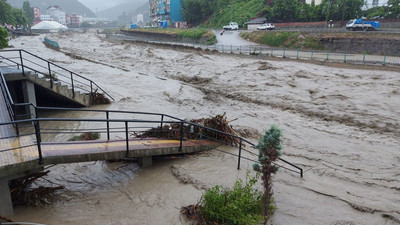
69,6
127,8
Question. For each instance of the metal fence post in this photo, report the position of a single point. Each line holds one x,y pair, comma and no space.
91,93
162,120
327,55
297,56
231,49
344,59
51,77
127,139
72,84
272,52
384,60
240,152
22,62
284,51
364,57
223,51
108,125
38,140
312,55
240,49
260,50
181,138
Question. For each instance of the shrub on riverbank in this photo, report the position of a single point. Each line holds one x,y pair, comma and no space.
241,205
193,33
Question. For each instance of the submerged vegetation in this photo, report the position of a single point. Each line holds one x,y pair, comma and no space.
85,137
285,39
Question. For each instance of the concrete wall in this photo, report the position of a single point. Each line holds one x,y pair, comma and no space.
358,45
252,26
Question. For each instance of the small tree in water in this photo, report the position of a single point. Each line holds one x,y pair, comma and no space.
269,146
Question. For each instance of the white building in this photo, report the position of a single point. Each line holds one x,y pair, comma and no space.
374,3
57,14
139,18
316,2
45,18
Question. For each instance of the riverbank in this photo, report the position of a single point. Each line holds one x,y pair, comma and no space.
350,42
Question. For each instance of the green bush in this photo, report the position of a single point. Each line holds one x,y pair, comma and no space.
3,38
241,205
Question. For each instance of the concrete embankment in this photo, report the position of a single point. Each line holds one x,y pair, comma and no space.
372,45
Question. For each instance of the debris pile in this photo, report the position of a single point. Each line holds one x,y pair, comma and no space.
23,192
195,129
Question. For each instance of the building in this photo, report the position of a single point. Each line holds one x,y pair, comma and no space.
44,17
316,2
57,14
253,24
139,18
73,21
36,15
374,3
165,10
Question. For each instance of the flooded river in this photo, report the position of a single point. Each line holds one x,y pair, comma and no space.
341,125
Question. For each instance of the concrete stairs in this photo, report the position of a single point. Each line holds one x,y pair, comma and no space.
60,89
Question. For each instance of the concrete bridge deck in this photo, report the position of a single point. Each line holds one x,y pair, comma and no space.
20,159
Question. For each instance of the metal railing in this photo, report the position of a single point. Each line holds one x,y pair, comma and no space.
7,96
116,128
27,61
260,50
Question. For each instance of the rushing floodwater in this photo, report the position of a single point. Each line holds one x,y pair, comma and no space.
340,125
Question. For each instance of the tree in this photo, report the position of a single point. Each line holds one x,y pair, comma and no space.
3,38
394,9
6,13
269,146
20,18
26,7
285,10
191,11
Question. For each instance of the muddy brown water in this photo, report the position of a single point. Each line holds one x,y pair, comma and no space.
340,124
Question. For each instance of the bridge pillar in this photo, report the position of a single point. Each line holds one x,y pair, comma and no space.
29,96
6,206
145,161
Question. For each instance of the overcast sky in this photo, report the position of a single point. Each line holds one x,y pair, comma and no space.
101,4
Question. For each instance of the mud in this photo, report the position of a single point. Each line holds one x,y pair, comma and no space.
340,124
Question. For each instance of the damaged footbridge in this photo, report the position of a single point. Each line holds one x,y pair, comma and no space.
31,87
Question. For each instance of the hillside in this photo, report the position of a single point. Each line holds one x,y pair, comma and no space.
70,6
127,8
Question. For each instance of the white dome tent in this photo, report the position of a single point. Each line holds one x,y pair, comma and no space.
48,27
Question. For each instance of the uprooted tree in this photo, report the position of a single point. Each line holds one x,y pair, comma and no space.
269,146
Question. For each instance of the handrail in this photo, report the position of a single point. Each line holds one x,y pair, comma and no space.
7,96
107,120
162,121
92,85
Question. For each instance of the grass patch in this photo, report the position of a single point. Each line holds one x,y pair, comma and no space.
85,137
285,39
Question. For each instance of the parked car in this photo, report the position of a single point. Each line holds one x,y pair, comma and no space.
266,26
231,26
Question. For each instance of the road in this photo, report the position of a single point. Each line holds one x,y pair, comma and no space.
231,38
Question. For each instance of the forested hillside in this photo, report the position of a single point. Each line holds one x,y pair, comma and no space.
216,13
